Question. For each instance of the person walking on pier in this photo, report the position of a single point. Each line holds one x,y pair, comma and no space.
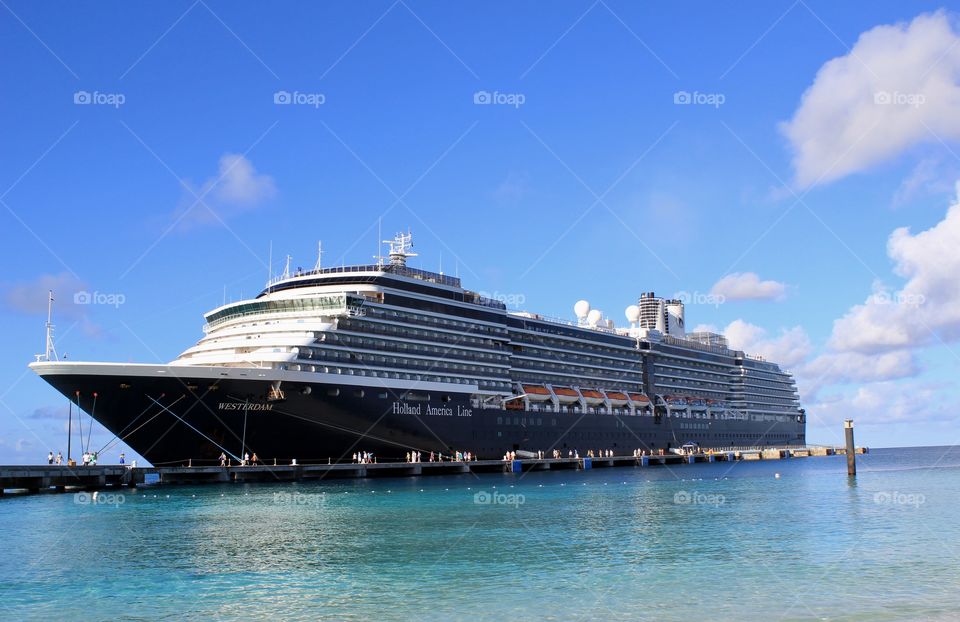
255,459
59,458
223,459
123,458
50,457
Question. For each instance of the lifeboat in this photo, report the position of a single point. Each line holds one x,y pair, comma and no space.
536,392
566,395
616,398
699,402
593,397
639,400
675,401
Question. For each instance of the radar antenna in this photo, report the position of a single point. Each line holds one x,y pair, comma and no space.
401,247
319,257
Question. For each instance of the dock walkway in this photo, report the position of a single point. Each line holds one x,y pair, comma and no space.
61,478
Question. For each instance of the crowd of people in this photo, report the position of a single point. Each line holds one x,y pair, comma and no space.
557,454
89,458
366,457
456,456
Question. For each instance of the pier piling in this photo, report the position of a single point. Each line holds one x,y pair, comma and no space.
851,450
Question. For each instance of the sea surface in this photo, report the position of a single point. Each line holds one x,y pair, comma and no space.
724,541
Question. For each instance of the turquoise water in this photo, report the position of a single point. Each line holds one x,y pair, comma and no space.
714,541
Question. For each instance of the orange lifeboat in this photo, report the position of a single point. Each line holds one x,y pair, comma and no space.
566,395
536,392
593,397
639,400
617,398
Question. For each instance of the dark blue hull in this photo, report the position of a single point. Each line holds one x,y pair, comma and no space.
175,420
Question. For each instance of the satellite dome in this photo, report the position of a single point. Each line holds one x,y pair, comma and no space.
593,318
633,314
581,309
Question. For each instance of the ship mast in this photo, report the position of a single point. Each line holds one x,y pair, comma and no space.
319,265
401,247
49,351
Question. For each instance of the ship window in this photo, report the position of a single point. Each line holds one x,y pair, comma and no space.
358,393
333,392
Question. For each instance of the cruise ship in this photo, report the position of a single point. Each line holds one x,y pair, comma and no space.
389,359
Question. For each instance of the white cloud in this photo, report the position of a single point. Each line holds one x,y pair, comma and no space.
30,297
239,183
926,310
885,403
236,188
833,368
791,347
748,286
898,86
927,178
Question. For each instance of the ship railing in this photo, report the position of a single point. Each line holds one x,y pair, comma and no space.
687,343
423,275
563,322
337,304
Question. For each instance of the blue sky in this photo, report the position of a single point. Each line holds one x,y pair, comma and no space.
583,178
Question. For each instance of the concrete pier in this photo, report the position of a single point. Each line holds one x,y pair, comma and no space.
45,478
